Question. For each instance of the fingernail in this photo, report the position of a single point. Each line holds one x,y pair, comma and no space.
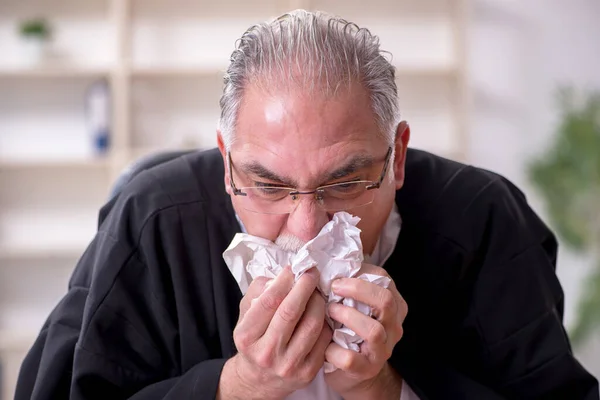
333,307
336,285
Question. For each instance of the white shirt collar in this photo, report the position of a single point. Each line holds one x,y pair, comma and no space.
387,240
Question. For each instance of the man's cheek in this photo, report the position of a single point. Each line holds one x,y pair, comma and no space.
264,225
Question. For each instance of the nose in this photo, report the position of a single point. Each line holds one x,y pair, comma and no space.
307,219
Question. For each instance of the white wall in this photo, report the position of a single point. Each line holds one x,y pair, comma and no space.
520,51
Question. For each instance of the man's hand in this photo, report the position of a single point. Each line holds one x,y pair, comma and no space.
281,337
367,374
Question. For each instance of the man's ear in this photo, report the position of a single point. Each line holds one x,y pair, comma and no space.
223,151
401,146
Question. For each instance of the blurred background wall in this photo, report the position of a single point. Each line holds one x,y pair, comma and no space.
477,82
520,52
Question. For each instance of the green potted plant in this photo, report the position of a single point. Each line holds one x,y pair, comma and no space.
35,35
568,177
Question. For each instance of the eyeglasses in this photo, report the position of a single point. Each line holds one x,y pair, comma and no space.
274,199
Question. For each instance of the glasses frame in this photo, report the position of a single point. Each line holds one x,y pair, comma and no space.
318,192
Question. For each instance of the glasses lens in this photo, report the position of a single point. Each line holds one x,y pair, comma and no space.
348,195
338,197
267,200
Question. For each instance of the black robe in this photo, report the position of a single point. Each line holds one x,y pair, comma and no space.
151,305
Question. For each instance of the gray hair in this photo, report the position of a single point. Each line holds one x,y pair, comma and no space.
311,50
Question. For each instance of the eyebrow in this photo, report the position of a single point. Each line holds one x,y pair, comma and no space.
355,164
255,168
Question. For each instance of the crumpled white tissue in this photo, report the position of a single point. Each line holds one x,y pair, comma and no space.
336,251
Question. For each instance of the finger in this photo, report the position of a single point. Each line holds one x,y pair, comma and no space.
256,320
307,367
346,360
255,289
316,356
292,308
369,329
402,310
309,328
372,269
381,300
402,305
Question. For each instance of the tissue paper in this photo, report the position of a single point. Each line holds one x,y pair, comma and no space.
336,251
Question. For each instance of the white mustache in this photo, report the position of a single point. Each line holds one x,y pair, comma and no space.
290,243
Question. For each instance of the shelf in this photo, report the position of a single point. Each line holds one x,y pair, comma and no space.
426,71
66,163
55,72
175,72
17,340
41,253
210,71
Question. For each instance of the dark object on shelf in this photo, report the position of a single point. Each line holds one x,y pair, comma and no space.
98,106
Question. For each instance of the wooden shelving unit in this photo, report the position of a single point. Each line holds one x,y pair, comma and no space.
164,61
53,72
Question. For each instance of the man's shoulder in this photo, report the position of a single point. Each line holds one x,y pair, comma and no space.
457,200
437,183
192,178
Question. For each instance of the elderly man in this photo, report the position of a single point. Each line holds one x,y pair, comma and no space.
309,127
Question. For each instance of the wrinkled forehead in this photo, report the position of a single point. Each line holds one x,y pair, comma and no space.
295,133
